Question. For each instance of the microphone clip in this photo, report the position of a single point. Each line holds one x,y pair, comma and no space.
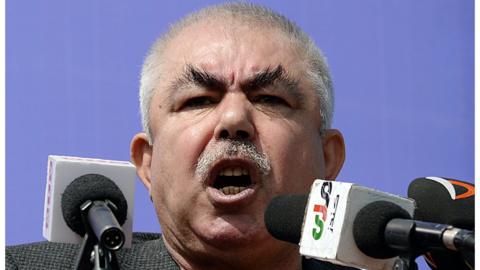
101,240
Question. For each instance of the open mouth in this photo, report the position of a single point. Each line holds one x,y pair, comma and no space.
232,180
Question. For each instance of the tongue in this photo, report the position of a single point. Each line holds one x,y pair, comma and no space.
232,190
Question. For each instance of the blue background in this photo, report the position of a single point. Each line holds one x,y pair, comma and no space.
403,74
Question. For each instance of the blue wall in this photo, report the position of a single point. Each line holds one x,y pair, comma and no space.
403,73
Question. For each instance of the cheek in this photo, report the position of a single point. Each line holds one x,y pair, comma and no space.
177,146
180,142
296,155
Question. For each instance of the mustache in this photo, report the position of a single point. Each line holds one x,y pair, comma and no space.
228,148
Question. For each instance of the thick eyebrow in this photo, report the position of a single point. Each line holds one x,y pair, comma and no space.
196,76
263,79
271,77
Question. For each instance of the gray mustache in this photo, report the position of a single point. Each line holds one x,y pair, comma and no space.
231,148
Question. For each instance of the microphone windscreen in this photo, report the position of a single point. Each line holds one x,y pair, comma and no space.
284,217
91,187
369,228
443,200
446,201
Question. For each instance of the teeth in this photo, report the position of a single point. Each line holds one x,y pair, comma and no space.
229,172
233,171
231,190
237,172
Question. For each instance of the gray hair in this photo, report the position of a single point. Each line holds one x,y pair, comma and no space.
317,70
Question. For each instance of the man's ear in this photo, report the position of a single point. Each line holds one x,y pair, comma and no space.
333,153
141,156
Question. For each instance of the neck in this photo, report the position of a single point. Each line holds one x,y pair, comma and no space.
284,257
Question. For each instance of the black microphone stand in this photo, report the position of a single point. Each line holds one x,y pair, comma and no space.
93,255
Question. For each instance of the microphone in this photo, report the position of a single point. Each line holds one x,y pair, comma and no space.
105,205
104,189
444,200
322,223
383,229
448,201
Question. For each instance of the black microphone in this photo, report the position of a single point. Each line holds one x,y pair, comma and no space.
448,201
383,229
321,223
284,217
105,205
375,224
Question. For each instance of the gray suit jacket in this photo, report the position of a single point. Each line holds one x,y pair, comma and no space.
148,252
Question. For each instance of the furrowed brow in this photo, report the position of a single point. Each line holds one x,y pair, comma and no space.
270,77
195,76
199,77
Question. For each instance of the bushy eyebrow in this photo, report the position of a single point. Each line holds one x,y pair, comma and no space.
263,79
270,77
203,78
196,76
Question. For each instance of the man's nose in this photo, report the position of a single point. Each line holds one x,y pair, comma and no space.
235,120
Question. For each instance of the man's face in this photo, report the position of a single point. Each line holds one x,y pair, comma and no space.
234,123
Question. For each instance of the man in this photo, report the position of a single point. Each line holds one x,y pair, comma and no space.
233,89
236,105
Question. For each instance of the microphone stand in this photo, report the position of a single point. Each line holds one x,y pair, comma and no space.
92,254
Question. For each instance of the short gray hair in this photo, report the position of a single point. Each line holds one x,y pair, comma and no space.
317,70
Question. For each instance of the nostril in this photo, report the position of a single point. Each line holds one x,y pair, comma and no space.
224,134
242,134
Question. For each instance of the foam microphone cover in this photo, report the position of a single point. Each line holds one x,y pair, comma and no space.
447,201
284,217
91,187
444,200
369,228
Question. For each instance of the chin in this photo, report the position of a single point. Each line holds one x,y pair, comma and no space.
232,231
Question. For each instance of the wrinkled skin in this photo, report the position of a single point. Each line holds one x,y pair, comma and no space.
202,231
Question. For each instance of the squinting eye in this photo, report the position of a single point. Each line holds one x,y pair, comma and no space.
271,100
198,102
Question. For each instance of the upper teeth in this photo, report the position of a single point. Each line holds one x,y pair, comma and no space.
233,171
